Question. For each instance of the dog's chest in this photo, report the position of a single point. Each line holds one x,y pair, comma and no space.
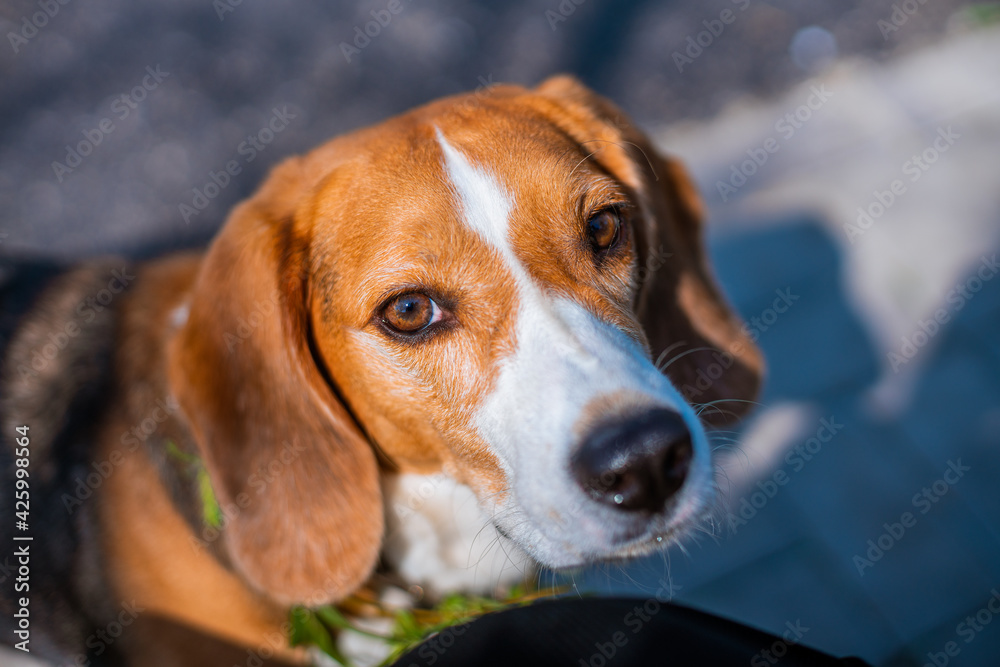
438,537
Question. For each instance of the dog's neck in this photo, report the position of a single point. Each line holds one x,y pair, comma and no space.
167,529
438,538
167,560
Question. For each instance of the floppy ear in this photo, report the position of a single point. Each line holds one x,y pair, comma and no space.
694,336
275,439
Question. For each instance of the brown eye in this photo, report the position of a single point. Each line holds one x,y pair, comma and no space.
410,313
604,229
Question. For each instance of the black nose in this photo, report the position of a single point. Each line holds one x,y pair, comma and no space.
636,463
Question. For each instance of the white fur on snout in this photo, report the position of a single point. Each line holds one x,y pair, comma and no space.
438,537
564,359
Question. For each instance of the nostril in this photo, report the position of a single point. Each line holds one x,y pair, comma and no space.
675,464
636,464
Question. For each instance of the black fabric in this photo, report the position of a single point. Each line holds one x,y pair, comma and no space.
613,632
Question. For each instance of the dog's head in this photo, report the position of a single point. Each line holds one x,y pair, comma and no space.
508,285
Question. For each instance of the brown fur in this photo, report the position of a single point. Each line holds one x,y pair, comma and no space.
278,346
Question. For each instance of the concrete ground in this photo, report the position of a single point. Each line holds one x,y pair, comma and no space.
873,408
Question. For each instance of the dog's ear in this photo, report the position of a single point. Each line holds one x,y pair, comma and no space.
277,443
694,336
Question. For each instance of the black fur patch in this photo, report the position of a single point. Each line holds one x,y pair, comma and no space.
62,410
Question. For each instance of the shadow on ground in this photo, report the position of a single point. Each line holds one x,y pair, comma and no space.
800,552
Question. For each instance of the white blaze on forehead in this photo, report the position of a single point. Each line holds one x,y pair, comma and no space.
486,206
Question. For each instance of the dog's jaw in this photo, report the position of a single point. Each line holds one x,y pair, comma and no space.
438,538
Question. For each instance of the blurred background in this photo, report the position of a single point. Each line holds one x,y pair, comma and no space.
849,154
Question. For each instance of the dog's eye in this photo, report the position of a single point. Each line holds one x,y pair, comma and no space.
604,229
410,313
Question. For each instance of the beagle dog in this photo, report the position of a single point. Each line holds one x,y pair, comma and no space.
501,298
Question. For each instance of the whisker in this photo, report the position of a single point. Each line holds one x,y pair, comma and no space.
684,354
667,351
585,158
621,144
